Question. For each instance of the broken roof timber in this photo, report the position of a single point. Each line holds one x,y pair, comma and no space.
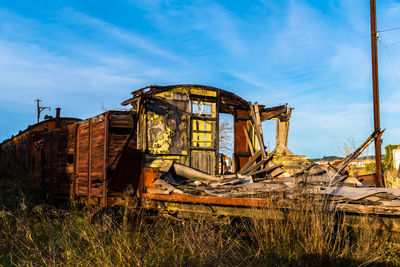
229,101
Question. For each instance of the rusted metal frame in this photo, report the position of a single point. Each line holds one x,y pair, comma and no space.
105,157
248,141
258,132
375,91
76,159
183,198
376,134
90,160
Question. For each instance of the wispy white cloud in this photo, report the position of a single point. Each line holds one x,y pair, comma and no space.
209,18
356,12
294,52
128,38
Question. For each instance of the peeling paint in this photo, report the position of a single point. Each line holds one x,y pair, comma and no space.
159,134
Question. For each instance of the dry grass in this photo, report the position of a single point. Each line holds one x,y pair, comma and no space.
308,236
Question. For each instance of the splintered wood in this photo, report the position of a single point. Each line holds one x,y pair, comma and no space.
260,164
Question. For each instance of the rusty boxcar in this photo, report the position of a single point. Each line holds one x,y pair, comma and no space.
19,155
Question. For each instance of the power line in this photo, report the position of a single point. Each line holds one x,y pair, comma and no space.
391,29
392,44
390,59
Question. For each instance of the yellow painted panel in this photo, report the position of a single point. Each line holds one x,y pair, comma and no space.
166,95
170,94
160,161
181,90
208,126
199,91
201,125
162,144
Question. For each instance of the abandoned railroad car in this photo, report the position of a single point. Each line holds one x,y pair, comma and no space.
171,133
180,123
19,155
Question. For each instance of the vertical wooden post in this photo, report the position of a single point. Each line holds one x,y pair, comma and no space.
76,154
90,160
105,158
77,161
375,90
216,134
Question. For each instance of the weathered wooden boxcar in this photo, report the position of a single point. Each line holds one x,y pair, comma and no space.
80,160
19,154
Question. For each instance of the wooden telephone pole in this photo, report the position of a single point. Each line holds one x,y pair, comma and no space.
375,89
40,109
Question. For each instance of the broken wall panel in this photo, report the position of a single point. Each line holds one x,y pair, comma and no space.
241,149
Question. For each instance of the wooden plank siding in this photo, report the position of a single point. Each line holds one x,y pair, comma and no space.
75,157
21,155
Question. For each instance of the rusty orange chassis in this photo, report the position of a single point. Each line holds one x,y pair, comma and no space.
380,218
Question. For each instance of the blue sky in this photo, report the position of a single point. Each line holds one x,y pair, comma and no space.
313,55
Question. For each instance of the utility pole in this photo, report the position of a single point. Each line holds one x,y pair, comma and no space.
40,109
375,90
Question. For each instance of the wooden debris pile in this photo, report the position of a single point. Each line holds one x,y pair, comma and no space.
261,176
260,166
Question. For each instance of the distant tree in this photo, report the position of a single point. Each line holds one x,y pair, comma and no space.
225,136
388,159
